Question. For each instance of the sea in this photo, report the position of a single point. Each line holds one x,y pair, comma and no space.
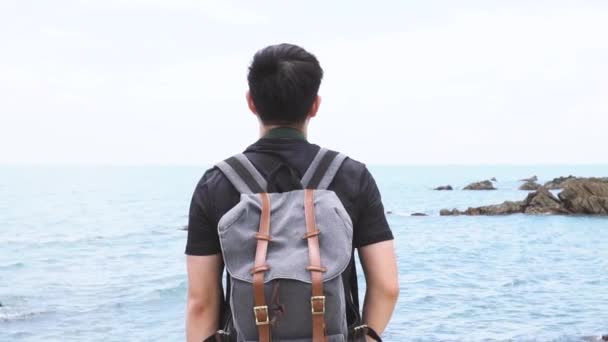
96,253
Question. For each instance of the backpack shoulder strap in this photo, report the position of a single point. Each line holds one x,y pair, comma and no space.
322,169
242,174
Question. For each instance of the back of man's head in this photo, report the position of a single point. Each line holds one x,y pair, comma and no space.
283,82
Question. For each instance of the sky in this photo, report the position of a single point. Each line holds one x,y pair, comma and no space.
406,82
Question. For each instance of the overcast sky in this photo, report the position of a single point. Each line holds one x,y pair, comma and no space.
416,82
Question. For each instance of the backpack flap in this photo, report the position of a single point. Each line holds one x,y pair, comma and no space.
288,250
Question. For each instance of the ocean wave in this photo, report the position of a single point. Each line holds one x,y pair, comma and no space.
404,213
561,338
519,282
44,241
12,266
169,292
7,315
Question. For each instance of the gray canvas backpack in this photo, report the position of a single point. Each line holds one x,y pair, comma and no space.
285,254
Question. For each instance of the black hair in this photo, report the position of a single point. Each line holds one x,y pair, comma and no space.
284,80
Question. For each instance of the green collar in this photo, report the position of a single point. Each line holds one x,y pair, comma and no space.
285,133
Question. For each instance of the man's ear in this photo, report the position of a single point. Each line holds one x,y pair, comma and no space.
250,103
315,107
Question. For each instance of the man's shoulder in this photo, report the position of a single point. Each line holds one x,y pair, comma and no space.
213,180
351,168
213,175
353,164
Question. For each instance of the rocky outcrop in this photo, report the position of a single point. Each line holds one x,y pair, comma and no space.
583,196
483,185
531,179
493,179
543,201
419,214
586,196
504,208
529,186
444,187
448,212
558,183
562,182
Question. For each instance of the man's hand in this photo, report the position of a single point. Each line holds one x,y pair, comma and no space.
204,296
380,268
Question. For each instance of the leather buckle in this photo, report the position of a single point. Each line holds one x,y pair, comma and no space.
313,299
263,310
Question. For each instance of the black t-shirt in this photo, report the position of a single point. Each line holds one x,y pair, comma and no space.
280,160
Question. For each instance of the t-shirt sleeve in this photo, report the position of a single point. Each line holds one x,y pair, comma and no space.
371,226
203,238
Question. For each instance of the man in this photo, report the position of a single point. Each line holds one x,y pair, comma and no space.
283,84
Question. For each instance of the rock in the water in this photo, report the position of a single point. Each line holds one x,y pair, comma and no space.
543,201
529,185
493,179
539,202
562,182
448,212
388,212
531,179
586,196
444,187
483,185
419,214
505,208
558,183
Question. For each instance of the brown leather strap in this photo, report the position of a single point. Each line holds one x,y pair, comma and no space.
259,269
317,300
263,237
260,310
313,233
316,268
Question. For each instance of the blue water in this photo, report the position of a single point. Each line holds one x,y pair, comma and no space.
96,254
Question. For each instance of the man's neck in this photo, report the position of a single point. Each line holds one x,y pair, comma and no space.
266,129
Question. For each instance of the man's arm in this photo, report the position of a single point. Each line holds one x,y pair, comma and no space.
204,296
382,290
